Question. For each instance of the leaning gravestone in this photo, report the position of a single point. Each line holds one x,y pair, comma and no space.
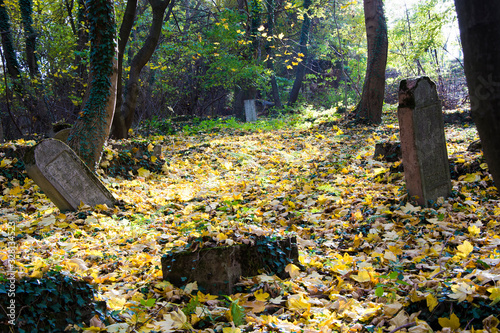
250,110
423,143
64,177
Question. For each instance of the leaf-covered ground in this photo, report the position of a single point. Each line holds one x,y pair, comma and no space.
369,259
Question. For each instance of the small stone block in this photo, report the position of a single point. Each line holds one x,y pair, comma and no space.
250,110
423,143
217,269
64,177
387,151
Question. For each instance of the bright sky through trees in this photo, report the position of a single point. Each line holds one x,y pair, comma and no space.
396,11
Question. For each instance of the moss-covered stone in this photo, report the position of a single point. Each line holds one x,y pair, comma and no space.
218,269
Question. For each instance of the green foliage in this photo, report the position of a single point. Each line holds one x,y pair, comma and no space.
190,308
391,286
417,33
51,303
237,312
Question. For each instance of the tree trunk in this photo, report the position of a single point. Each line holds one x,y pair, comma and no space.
38,113
119,130
270,54
244,89
372,99
420,69
138,62
480,31
92,127
69,9
7,43
37,96
301,67
30,34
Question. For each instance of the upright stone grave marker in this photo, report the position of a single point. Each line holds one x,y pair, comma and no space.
250,110
423,143
64,177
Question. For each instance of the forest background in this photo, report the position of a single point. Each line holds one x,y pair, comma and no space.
208,52
369,259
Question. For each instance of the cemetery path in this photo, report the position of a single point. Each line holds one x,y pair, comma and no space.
369,259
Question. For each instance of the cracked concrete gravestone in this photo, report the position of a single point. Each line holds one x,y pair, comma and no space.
423,143
250,110
64,177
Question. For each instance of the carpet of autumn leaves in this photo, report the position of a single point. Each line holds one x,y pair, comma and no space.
370,261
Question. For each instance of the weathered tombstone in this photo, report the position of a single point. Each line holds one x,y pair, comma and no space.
62,135
423,143
217,269
250,110
64,177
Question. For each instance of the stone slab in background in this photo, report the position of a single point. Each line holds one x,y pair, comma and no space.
64,177
387,151
423,143
217,269
250,110
62,135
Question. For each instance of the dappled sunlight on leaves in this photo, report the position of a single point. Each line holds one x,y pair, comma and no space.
370,260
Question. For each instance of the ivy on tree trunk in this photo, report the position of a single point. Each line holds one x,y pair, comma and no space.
7,43
26,7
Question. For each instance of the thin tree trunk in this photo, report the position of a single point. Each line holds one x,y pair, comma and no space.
301,67
91,129
370,107
30,34
417,60
244,89
139,61
7,44
480,31
34,98
37,110
270,54
69,9
82,39
119,130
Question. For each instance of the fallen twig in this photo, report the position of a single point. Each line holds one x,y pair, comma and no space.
403,326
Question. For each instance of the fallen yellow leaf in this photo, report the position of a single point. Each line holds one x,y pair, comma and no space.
453,322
